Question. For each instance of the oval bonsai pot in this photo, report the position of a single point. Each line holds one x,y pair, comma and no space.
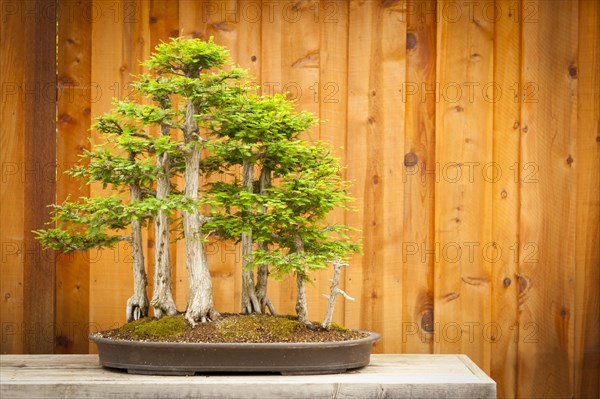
182,358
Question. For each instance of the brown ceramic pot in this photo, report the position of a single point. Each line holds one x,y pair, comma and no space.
179,358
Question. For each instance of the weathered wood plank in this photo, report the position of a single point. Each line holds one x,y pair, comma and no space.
397,376
548,208
419,186
464,118
587,161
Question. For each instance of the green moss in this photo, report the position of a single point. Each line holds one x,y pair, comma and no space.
338,327
250,328
148,328
132,326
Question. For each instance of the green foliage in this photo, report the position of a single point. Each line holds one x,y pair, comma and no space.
264,131
295,183
187,57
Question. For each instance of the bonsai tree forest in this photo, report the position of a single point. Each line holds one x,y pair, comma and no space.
247,174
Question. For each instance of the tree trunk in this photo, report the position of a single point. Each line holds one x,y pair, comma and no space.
200,304
162,298
301,303
262,275
137,304
250,302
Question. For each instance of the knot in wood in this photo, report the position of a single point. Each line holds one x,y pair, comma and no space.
410,159
411,40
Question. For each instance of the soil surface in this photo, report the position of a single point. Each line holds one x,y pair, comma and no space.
230,328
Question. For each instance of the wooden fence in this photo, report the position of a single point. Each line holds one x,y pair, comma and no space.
470,130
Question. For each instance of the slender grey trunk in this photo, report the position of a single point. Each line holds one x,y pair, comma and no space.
333,292
301,302
200,304
162,298
137,304
262,275
250,302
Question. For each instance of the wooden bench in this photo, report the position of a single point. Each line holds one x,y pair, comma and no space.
388,376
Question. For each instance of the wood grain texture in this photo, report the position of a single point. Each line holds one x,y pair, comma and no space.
74,119
376,71
505,200
12,187
114,58
463,201
530,317
39,154
395,376
419,185
332,97
587,250
548,206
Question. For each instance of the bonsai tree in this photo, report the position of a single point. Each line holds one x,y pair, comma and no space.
194,116
286,221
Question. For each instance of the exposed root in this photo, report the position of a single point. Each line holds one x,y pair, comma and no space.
137,308
163,307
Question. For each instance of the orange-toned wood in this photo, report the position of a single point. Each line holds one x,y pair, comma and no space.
463,204
12,186
419,159
502,330
376,72
587,161
332,99
114,59
548,179
74,116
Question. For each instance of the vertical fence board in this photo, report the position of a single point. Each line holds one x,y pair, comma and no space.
332,97
375,149
353,64
387,83
39,269
547,218
74,116
464,120
111,279
360,158
419,157
587,255
505,200
12,187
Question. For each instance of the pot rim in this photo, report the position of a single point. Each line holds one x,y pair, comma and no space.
372,338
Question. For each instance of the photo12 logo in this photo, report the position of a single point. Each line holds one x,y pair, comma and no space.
467,172
471,252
